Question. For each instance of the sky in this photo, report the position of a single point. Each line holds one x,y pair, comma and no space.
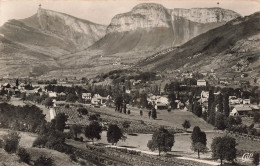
102,11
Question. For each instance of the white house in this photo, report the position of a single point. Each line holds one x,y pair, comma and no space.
246,101
53,94
99,100
201,83
161,103
204,96
86,96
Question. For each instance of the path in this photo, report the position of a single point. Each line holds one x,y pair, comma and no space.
154,153
52,113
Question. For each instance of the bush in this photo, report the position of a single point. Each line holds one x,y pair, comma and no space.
44,161
40,141
11,142
73,157
1,143
24,155
256,158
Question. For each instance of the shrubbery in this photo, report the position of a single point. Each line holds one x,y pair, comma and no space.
44,161
24,155
26,118
11,142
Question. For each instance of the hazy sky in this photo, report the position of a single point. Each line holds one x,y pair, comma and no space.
101,11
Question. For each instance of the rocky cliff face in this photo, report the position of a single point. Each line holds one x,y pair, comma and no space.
205,15
165,27
141,16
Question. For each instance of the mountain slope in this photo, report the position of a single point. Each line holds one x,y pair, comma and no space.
53,29
149,26
31,63
220,49
48,34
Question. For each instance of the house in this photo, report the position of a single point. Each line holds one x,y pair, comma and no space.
21,86
241,110
204,106
6,85
201,83
128,91
137,82
235,100
204,96
99,100
37,90
86,96
161,103
246,101
52,94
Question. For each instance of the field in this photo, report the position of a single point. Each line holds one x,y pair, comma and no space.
175,118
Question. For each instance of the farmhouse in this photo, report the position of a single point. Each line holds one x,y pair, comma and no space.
241,110
99,100
86,96
246,101
201,83
53,94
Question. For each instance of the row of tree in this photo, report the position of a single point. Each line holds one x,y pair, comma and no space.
223,148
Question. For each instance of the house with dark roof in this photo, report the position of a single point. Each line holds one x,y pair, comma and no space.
241,110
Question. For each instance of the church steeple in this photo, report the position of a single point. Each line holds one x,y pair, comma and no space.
40,6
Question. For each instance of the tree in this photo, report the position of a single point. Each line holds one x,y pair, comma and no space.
17,82
256,158
141,113
24,155
75,129
71,98
172,98
220,103
220,121
82,111
118,102
93,131
154,114
211,114
162,140
60,121
94,117
114,134
186,124
197,109
149,114
44,161
224,148
256,117
11,142
48,102
199,141
126,124
23,96
226,109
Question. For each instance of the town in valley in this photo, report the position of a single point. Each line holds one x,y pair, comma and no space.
154,85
